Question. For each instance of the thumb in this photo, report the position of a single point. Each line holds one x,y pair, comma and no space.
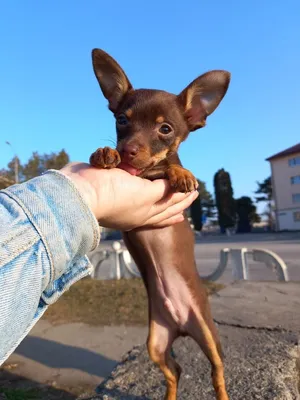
158,190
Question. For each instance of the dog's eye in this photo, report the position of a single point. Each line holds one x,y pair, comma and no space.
165,129
122,120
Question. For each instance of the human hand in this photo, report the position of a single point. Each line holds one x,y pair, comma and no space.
122,201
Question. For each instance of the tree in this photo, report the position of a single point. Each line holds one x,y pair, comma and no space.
36,165
224,200
265,192
7,175
39,163
207,201
246,211
202,206
4,181
197,214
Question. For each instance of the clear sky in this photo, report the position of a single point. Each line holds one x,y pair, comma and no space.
50,99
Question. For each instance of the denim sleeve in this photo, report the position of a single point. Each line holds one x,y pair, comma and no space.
46,230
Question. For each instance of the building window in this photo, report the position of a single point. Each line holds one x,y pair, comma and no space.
295,180
294,161
297,216
296,198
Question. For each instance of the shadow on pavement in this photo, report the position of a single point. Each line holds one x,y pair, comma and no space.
58,355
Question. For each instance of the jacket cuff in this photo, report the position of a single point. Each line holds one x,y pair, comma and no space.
61,216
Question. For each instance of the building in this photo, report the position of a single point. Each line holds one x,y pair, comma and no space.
285,167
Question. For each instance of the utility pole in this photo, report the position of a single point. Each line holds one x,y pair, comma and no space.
16,163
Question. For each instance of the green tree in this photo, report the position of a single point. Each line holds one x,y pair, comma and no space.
7,175
202,206
265,194
36,165
224,200
196,213
4,181
207,201
246,211
264,190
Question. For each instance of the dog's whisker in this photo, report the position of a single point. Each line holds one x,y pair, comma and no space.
108,140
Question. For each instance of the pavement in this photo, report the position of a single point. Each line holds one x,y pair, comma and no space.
72,355
261,346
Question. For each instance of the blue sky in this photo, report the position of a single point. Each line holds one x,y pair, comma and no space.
50,99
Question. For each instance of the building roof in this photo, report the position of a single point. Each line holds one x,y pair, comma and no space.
291,150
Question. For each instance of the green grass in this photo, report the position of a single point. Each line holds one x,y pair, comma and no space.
20,394
110,302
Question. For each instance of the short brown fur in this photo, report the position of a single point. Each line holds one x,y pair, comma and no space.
159,122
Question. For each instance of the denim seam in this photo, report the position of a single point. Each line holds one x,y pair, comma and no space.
19,251
20,233
81,273
31,219
95,225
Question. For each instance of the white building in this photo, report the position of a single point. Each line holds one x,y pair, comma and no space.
285,167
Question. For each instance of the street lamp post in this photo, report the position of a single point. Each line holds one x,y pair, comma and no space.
16,163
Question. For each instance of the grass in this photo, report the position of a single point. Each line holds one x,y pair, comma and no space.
20,394
110,302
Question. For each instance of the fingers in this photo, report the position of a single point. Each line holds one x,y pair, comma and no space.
172,207
168,222
180,199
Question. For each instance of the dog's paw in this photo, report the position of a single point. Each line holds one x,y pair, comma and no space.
105,158
181,179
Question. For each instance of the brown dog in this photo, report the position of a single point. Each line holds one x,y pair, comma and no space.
151,124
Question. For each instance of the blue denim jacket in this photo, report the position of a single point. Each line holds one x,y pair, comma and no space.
46,230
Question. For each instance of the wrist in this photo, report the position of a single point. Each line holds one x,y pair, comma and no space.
80,175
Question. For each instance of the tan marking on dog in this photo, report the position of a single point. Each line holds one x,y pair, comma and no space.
218,376
175,145
157,344
129,113
160,119
160,156
193,92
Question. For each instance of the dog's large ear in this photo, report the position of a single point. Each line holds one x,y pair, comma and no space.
112,79
203,96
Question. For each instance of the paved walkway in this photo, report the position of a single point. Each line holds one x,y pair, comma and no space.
72,355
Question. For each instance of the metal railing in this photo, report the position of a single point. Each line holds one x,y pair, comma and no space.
120,264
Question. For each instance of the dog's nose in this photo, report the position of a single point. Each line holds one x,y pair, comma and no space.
130,150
